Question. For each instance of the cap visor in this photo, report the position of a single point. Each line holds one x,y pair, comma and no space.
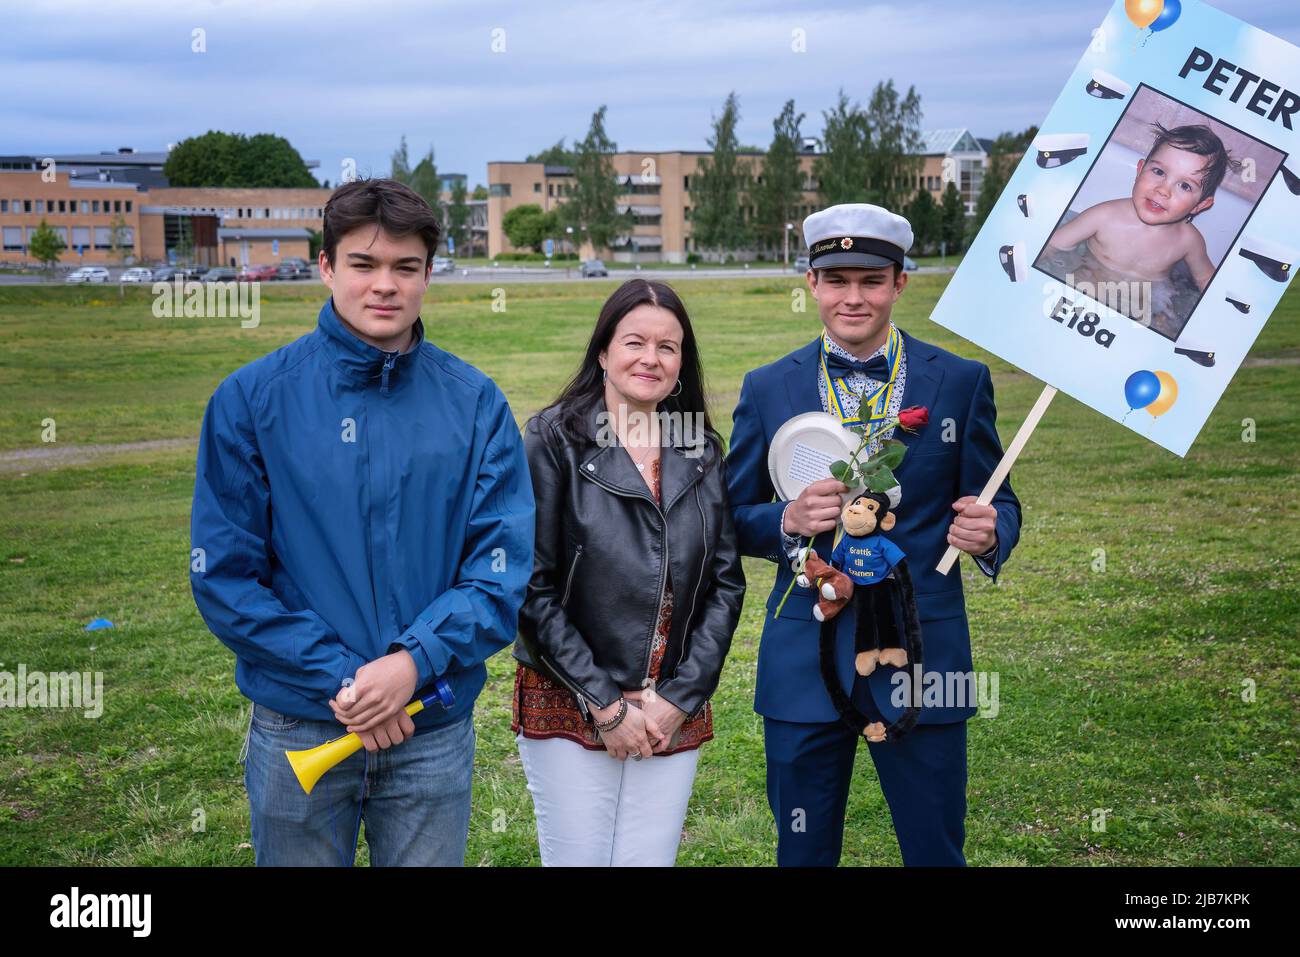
860,260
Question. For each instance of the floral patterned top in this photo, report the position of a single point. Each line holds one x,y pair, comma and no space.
543,708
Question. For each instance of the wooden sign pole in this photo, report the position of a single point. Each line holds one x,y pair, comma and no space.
1004,467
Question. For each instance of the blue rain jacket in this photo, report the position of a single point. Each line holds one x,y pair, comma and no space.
350,501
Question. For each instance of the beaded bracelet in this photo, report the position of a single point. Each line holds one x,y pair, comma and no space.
615,721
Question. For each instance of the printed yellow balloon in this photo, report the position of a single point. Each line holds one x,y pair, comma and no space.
1168,394
1143,12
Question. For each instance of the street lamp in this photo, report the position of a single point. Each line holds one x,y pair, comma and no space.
788,227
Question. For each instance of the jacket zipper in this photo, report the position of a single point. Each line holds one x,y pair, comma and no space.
577,692
390,358
568,585
663,574
703,561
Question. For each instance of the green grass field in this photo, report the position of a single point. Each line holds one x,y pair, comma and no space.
1119,689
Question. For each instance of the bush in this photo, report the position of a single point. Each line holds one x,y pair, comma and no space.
521,257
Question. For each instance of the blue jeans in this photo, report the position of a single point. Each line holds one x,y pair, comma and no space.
414,797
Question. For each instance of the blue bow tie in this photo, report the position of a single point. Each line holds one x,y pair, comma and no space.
877,367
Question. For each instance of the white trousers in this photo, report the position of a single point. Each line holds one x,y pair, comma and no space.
595,811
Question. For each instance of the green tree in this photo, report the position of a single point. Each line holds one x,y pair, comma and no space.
480,192
526,226
952,218
1007,149
426,181
184,247
458,218
924,215
423,177
593,206
842,166
45,245
399,166
717,185
892,157
263,160
781,190
557,155
117,247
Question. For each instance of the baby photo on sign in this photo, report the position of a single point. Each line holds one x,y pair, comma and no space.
1158,211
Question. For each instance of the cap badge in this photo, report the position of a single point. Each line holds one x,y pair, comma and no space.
846,242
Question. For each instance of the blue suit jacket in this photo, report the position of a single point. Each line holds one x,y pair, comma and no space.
933,475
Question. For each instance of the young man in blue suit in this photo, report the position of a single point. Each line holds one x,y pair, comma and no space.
863,369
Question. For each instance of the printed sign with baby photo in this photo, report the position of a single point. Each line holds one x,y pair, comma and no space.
1147,234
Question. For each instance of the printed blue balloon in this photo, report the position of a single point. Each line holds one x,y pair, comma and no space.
1141,389
1167,16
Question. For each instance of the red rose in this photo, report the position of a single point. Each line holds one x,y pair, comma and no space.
913,418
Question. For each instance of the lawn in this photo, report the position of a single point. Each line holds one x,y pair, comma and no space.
1160,685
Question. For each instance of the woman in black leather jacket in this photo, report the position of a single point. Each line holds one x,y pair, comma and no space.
635,592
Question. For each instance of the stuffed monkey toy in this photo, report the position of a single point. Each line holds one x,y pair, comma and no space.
834,588
869,570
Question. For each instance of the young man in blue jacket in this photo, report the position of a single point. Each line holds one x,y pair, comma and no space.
863,369
362,510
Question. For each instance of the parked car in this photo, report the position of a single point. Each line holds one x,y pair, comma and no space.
89,274
295,261
165,273
136,274
444,264
257,273
801,264
220,274
193,271
593,267
909,264
292,270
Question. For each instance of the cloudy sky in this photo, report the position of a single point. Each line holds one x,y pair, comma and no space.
496,80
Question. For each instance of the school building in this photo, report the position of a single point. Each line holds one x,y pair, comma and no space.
656,188
116,208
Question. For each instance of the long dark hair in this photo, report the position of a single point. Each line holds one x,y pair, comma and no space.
581,398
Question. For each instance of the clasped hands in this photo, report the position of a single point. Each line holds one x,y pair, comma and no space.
817,510
374,707
647,729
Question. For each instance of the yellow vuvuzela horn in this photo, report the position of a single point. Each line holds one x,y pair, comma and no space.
310,765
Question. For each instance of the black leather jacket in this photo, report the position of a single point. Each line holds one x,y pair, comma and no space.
604,551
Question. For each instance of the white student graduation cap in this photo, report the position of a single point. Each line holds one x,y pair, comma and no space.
1237,301
1107,86
856,234
1015,261
1057,149
1273,259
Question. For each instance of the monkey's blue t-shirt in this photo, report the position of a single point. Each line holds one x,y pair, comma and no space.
866,560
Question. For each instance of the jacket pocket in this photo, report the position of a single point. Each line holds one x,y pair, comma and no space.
568,582
798,606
